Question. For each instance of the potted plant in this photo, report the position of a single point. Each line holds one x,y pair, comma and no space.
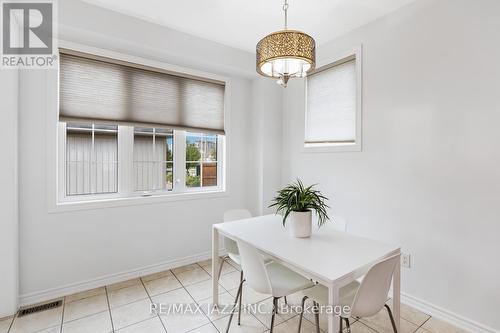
296,203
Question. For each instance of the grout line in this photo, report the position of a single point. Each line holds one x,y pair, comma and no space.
109,309
160,277
151,300
138,322
209,273
422,325
243,306
276,325
411,322
162,293
132,285
209,321
80,299
364,324
86,316
222,273
63,309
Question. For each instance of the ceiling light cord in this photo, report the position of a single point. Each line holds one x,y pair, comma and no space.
285,9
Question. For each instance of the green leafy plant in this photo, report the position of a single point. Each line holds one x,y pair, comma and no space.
192,181
295,197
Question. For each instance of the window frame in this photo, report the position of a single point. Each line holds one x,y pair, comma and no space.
338,59
126,184
154,135
220,139
92,130
54,149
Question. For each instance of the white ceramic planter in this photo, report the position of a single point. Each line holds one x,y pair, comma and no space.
300,224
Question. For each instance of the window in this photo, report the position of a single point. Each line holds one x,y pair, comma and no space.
91,159
112,161
333,108
153,159
107,147
201,160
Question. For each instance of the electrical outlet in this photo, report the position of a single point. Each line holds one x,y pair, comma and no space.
405,260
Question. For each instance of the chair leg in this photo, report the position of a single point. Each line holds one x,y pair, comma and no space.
275,308
302,311
238,295
348,325
392,318
222,260
341,325
316,316
286,301
241,298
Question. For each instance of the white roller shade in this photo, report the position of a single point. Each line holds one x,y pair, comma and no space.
101,90
331,104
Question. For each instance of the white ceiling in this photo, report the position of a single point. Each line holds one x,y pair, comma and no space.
241,24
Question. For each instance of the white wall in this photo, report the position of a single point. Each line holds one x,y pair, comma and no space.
267,106
9,227
62,250
428,176
9,217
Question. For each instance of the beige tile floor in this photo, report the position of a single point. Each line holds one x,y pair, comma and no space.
125,308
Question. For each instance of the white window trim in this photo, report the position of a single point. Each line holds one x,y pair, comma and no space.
56,148
340,146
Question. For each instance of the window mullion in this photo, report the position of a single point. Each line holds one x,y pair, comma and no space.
125,160
179,161
220,152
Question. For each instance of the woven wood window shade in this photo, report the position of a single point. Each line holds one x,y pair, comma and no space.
100,89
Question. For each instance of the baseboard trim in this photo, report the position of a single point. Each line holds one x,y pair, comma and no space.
446,315
45,295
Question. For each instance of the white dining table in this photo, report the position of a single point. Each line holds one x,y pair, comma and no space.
331,257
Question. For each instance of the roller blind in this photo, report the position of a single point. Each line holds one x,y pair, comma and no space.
100,89
331,104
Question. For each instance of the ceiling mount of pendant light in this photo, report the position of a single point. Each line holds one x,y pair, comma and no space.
286,53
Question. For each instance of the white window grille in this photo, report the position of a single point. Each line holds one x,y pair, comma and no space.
91,159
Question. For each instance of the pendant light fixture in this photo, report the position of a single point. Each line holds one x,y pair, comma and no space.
286,53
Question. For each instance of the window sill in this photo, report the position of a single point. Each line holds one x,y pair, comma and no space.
332,148
135,200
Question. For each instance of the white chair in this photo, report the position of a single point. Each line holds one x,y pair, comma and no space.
267,278
339,223
365,299
232,248
229,244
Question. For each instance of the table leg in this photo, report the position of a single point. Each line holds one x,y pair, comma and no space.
396,294
215,265
333,299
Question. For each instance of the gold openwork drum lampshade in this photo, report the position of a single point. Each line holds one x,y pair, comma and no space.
285,54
